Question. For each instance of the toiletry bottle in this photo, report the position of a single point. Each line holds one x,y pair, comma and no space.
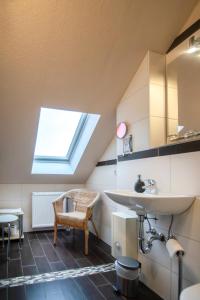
139,185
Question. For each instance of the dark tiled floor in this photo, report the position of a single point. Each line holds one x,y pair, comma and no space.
38,255
71,289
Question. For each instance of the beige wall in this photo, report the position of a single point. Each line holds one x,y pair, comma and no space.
194,16
104,178
19,196
74,55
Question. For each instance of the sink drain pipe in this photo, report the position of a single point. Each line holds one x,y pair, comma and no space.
175,249
172,245
180,272
146,245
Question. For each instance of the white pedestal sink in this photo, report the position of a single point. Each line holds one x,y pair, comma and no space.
191,292
161,204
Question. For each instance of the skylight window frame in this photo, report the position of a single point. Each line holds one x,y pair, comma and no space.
72,147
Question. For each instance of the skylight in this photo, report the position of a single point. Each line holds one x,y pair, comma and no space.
57,133
62,138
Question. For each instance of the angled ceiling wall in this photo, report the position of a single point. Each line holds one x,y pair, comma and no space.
78,55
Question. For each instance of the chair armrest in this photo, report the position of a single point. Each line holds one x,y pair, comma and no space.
92,204
58,205
89,212
74,203
89,208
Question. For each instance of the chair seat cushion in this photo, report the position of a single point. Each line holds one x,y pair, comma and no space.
75,218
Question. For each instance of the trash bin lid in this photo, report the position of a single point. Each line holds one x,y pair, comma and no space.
128,262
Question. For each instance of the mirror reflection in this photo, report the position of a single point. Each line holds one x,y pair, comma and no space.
183,91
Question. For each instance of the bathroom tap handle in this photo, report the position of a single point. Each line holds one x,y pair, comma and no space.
152,231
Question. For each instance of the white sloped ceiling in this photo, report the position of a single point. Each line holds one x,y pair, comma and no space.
77,55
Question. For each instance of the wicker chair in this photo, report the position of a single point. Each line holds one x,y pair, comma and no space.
84,202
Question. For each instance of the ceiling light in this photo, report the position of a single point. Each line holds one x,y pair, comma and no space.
192,50
180,128
194,45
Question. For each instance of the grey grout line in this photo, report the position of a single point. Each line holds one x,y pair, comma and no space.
96,287
20,258
21,264
48,238
55,251
108,282
97,256
28,266
14,259
101,249
32,255
79,288
105,284
58,254
40,256
78,260
62,240
7,270
44,242
45,256
69,254
42,249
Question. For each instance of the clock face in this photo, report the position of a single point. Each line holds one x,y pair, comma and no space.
121,130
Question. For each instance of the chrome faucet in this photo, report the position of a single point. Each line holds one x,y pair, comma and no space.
150,186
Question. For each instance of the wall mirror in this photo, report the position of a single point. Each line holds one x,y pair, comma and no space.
183,90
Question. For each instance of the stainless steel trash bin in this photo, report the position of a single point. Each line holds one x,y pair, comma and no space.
127,271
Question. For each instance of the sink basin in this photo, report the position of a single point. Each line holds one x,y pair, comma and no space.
191,292
161,204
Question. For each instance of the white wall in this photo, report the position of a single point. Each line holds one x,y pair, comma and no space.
19,195
102,178
173,174
143,105
105,178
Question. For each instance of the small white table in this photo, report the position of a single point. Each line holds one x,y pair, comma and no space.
8,220
17,212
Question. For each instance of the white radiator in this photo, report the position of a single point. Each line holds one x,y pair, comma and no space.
42,208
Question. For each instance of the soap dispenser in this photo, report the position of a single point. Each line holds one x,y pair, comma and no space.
139,186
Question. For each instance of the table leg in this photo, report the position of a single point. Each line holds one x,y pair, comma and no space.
3,235
22,229
67,204
8,246
19,228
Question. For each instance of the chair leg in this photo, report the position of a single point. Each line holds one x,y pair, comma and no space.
95,229
55,233
86,240
73,235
